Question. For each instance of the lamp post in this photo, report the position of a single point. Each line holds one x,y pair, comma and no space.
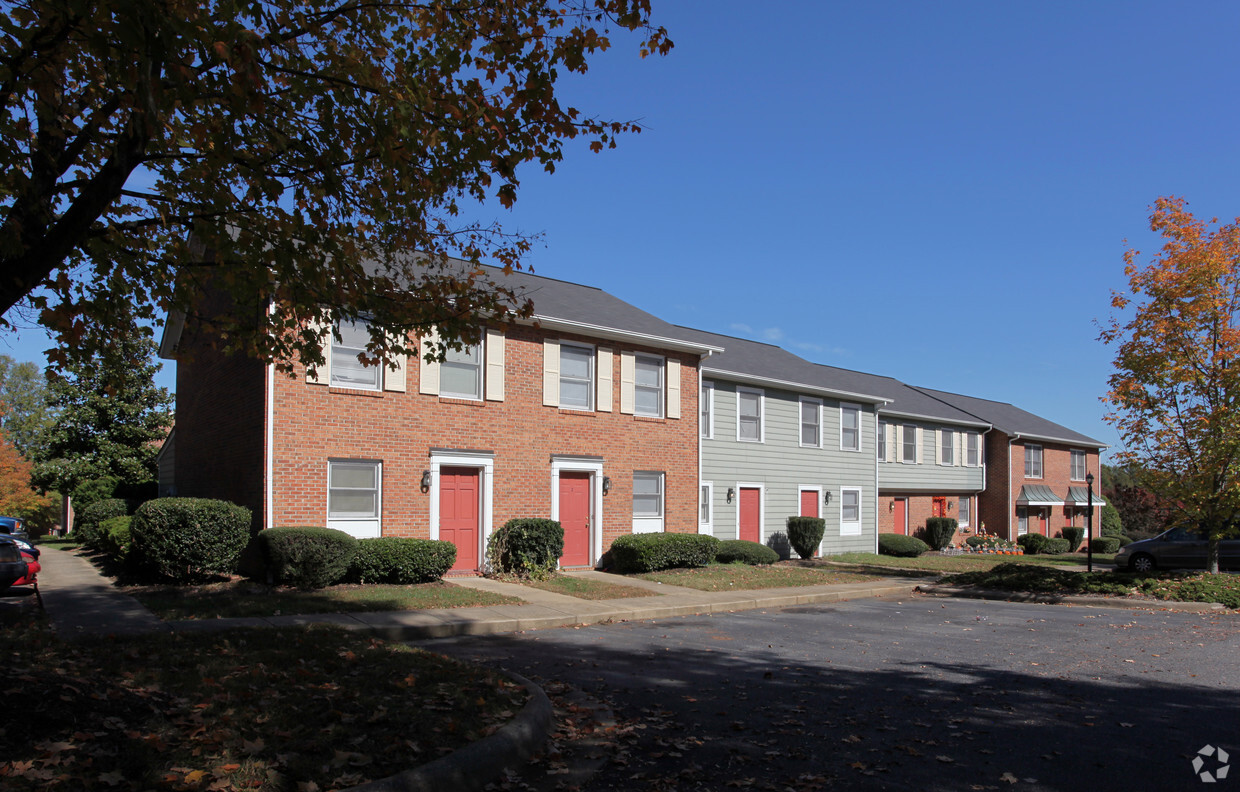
1089,521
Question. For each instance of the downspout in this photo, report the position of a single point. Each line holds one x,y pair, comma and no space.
269,440
701,448
1011,511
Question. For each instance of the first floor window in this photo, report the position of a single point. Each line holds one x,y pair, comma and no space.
1022,521
346,370
648,386
965,509
1033,461
704,504
576,377
647,494
460,375
850,511
1078,465
947,447
353,490
973,449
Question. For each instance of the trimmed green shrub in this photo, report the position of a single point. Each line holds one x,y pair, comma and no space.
189,539
391,559
1124,541
90,518
526,547
900,545
1056,546
93,491
805,534
1112,525
1032,543
1074,537
975,541
114,536
745,552
1104,544
307,557
654,551
940,531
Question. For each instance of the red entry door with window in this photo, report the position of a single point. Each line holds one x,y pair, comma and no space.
751,514
575,518
458,514
900,515
938,507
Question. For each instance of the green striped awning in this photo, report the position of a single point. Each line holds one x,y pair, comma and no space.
1038,495
1079,496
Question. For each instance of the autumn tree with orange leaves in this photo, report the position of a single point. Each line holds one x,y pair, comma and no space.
1173,396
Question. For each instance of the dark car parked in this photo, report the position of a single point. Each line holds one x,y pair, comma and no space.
14,568
1179,548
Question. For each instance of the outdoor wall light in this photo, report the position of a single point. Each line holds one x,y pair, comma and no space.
606,484
950,505
426,481
826,496
731,492
891,506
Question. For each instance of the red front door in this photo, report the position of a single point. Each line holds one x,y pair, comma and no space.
938,507
1042,521
809,503
751,514
458,514
575,518
900,515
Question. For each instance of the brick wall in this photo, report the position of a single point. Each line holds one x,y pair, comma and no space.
993,502
314,423
1056,474
920,508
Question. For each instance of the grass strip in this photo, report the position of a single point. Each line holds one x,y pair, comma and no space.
962,563
1171,586
585,588
742,577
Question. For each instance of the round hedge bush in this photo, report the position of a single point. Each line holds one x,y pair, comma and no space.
1074,536
940,531
187,540
901,546
526,547
1056,546
401,561
805,534
92,516
652,552
307,557
1032,543
743,551
1104,544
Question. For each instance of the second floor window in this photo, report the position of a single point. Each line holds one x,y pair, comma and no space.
910,444
947,447
1078,466
850,427
576,377
460,374
973,449
707,405
1033,461
648,386
811,423
882,441
346,370
749,415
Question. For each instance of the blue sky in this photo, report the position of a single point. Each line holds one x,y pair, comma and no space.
934,192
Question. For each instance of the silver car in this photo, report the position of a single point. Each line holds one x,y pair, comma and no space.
1178,548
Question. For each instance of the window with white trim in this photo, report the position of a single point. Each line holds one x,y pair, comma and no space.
707,405
1078,465
749,415
882,441
352,490
964,510
811,422
850,511
576,377
346,370
460,374
850,427
909,444
973,449
648,386
1033,461
947,447
1022,521
705,495
647,495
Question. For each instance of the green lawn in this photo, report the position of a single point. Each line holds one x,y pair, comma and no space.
585,588
740,577
246,598
269,710
1175,586
963,563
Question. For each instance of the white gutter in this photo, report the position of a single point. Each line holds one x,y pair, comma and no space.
750,379
616,334
1060,440
984,427
1010,511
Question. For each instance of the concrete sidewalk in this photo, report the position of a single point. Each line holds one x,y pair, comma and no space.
81,602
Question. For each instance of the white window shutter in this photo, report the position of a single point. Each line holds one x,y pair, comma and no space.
394,379
628,375
673,388
897,432
551,372
959,446
920,444
892,442
428,373
602,401
495,364
324,375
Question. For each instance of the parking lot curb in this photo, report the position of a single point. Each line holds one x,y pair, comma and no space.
473,767
965,592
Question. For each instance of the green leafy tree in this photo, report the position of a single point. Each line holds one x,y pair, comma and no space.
1173,396
24,411
111,418
287,154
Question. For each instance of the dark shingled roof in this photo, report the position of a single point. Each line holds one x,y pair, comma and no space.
1012,420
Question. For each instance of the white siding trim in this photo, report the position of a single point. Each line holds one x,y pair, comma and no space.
494,354
428,372
602,366
628,373
595,469
551,372
486,478
672,369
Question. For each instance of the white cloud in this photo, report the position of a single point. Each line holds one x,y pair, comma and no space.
772,334
740,328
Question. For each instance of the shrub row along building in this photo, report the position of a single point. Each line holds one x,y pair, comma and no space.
612,421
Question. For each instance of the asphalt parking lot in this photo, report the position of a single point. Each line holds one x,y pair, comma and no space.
921,693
